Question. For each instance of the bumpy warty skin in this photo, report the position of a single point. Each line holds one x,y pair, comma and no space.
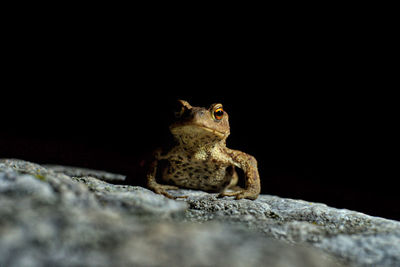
199,159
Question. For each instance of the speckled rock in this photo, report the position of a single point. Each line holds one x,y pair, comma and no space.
133,199
84,172
356,238
88,191
48,218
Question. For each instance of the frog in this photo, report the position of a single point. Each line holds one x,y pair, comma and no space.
199,159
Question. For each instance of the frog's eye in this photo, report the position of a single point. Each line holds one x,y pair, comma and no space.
218,113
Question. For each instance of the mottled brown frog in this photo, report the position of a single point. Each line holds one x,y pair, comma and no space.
200,158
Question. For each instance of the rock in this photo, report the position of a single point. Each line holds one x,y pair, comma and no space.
88,192
356,238
83,172
133,199
55,217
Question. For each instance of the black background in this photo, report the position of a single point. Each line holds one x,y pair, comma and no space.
309,101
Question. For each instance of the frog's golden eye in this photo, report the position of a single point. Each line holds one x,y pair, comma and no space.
218,113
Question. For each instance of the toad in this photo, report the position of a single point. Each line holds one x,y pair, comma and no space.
199,159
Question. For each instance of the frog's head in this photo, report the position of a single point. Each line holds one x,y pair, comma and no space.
207,125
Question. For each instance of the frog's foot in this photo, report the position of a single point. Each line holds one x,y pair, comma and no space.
162,190
235,188
239,194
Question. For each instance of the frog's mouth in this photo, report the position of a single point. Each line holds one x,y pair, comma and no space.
213,131
183,128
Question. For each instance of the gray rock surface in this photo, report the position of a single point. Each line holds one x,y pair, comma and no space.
65,217
356,238
83,172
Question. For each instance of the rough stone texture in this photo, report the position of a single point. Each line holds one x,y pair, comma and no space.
48,218
134,199
356,238
83,172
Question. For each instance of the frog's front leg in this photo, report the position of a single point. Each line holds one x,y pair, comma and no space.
151,179
252,179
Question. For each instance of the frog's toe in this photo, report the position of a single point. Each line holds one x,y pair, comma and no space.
246,194
165,193
181,196
240,194
229,194
162,190
170,187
